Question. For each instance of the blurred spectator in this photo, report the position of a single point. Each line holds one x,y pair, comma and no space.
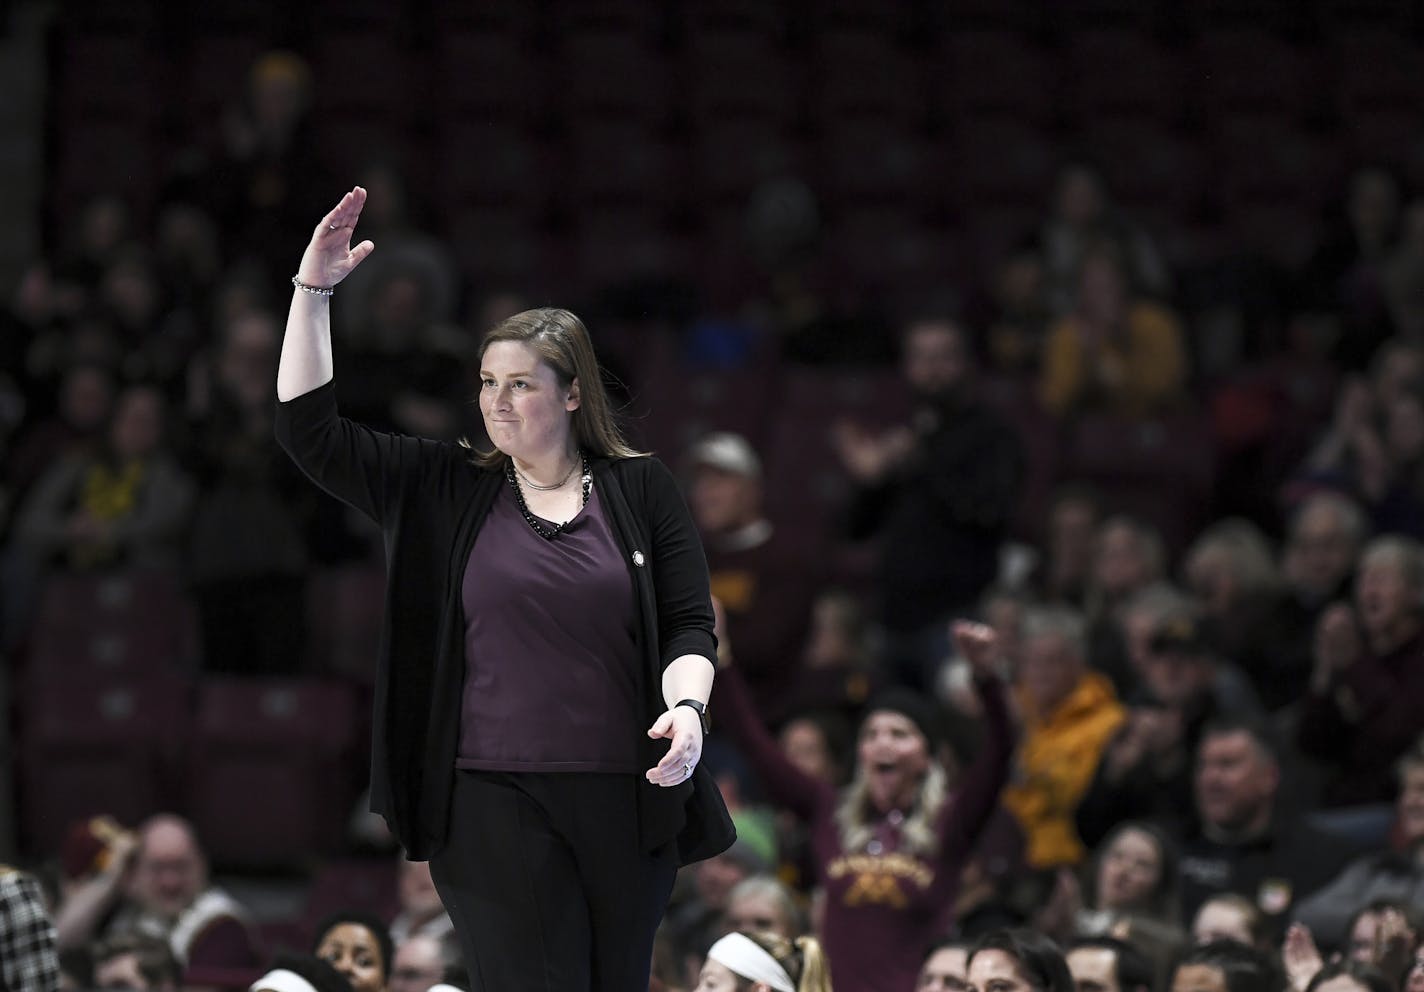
1082,219
760,582
1068,712
1229,916
268,173
761,904
1018,314
890,848
1128,557
84,404
1073,518
1018,960
246,547
1231,570
394,222
163,891
1133,875
939,494
1106,964
1351,976
422,914
420,962
1382,934
404,367
1346,275
1363,709
693,923
136,961
838,662
1113,354
28,959
1146,771
946,967
122,505
1226,966
358,946
1396,875
1243,842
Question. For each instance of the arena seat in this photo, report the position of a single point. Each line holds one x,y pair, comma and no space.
272,772
99,744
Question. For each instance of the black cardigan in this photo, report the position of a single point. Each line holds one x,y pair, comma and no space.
429,500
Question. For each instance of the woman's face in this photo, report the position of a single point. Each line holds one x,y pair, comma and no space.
805,747
944,971
525,409
997,971
1130,870
354,951
1198,978
894,758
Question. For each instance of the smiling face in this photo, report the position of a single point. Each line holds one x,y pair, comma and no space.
525,408
1129,871
354,951
894,757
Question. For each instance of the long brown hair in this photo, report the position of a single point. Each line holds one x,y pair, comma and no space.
561,341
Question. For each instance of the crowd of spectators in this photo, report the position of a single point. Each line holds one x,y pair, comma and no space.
1205,769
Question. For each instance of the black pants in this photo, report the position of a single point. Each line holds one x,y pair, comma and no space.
547,884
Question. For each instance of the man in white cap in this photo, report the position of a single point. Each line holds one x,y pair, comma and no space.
761,584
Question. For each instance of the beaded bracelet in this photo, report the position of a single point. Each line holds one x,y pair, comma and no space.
314,290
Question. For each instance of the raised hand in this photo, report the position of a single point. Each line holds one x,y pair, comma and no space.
329,257
979,645
1300,956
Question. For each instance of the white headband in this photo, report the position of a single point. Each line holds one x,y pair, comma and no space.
744,956
282,980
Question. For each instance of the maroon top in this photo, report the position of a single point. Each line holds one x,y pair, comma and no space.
550,659
884,905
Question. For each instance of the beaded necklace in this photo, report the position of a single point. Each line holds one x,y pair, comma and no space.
586,484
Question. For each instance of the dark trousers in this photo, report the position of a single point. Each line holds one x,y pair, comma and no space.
547,884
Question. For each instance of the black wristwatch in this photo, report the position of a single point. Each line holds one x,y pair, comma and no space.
700,707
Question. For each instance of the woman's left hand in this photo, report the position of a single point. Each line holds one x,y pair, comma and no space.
684,727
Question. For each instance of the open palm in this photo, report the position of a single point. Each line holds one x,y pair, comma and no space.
329,257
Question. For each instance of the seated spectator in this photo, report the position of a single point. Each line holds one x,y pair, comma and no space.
1350,976
1017,960
1128,557
759,581
358,946
1324,537
422,913
1069,547
1016,314
1225,966
1231,917
1146,772
1383,935
1113,354
123,505
946,967
1134,875
84,402
1396,875
134,961
1106,964
1083,216
1231,570
1242,842
164,893
761,904
1069,712
28,957
1363,709
420,962
839,666
939,493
